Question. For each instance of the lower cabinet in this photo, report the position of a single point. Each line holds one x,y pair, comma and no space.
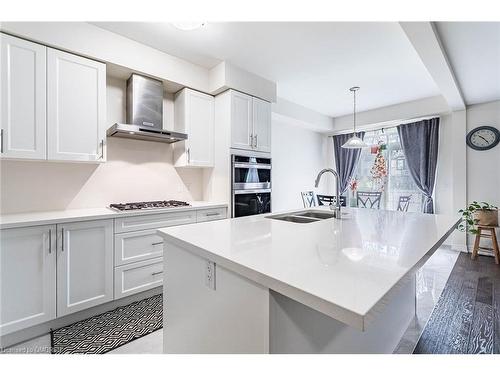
49,271
137,277
84,265
27,277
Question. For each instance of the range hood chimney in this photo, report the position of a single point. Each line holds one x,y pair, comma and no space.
144,113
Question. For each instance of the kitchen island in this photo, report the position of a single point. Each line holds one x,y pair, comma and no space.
263,285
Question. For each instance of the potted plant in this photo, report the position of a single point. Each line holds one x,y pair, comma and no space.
478,214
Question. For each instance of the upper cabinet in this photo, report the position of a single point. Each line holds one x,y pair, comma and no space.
250,120
241,121
76,107
23,99
194,115
53,104
261,125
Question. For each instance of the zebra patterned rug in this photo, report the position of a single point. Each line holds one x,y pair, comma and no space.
104,332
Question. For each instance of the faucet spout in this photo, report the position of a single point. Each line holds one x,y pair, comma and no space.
336,207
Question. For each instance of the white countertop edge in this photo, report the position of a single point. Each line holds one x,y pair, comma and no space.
26,219
375,311
344,315
328,308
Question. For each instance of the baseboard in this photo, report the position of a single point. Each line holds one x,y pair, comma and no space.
30,333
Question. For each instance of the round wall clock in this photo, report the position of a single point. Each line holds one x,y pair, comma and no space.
483,138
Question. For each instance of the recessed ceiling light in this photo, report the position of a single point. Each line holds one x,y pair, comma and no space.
187,26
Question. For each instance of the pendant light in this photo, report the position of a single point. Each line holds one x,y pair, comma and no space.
354,141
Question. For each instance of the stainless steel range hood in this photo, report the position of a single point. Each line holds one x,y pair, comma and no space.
145,113
145,134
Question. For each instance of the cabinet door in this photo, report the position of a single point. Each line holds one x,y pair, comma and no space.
76,107
241,121
22,99
84,265
200,129
262,125
27,277
194,115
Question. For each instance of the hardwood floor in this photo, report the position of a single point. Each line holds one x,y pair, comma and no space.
466,319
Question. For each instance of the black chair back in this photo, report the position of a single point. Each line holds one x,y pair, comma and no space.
404,203
326,200
369,199
308,199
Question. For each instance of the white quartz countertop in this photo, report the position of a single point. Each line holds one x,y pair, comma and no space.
53,217
346,268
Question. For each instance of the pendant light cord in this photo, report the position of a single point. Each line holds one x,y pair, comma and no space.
354,112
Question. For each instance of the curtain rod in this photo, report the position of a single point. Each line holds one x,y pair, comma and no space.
383,125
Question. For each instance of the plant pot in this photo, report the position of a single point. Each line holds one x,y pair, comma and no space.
486,217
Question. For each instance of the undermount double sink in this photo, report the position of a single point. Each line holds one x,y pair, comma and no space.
304,216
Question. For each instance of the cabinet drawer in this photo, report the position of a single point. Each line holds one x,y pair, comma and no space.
132,223
210,214
137,277
136,246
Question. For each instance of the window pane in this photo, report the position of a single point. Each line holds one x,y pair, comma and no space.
397,182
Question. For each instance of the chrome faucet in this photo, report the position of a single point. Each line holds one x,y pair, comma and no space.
335,208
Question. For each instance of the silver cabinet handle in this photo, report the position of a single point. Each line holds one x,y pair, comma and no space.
189,155
157,243
62,239
102,149
212,214
50,241
156,273
1,141
251,140
256,141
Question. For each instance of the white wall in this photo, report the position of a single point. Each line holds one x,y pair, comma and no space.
483,167
393,114
135,171
298,155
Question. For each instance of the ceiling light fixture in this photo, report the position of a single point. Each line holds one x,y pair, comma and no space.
188,26
354,141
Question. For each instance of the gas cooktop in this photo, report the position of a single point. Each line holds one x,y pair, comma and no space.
147,205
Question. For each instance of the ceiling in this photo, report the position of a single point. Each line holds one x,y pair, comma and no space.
315,63
473,50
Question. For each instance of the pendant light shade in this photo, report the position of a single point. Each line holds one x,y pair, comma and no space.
354,141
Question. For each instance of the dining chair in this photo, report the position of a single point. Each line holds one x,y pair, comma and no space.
404,203
369,199
308,199
326,200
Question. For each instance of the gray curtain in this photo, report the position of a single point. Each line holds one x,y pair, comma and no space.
346,159
420,145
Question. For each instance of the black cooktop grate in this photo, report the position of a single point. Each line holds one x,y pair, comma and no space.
148,205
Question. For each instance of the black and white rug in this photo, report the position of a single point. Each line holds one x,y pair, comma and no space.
102,333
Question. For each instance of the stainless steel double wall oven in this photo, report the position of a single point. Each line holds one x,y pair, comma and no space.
251,183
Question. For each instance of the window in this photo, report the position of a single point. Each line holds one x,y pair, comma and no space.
390,175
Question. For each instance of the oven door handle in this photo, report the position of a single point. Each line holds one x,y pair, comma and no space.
252,166
237,192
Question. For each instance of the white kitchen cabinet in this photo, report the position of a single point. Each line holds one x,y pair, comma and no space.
135,246
84,265
138,277
241,121
261,125
249,119
76,107
194,115
27,277
23,99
